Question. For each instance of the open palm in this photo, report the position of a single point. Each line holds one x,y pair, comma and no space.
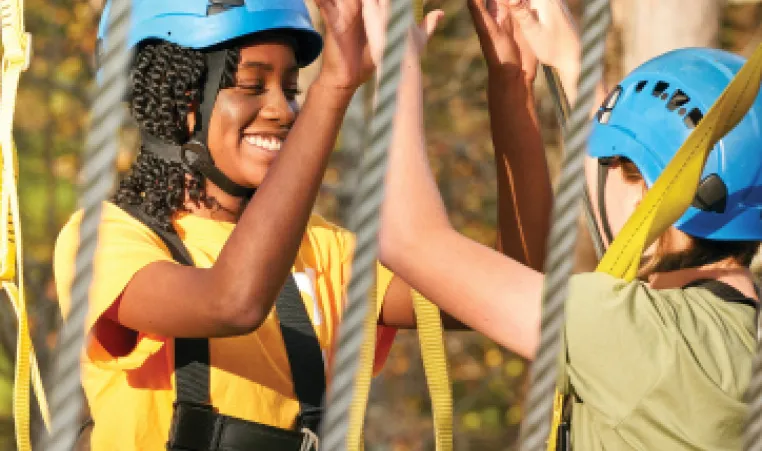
346,59
376,12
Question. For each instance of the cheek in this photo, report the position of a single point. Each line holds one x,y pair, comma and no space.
232,114
621,201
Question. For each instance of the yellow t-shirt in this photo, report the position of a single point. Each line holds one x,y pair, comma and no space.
131,395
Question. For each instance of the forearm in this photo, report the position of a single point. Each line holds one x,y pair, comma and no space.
259,254
524,189
412,204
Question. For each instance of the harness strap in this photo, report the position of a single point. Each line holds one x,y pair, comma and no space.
723,291
195,153
304,355
302,347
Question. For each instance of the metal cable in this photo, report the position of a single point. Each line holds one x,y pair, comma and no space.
561,103
97,180
364,221
563,235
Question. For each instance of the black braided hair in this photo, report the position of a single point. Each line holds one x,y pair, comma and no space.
165,81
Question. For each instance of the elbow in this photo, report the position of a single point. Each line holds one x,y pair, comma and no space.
239,312
393,244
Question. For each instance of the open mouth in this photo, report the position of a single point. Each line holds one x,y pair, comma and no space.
268,143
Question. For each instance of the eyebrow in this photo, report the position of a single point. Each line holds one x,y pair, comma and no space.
265,66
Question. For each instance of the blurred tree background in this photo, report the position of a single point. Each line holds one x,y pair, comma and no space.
488,381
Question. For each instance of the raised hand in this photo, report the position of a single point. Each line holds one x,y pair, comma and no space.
346,59
548,29
375,13
504,47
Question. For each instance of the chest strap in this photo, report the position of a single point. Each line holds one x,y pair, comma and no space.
723,291
195,420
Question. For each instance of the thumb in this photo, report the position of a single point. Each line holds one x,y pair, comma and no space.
431,21
526,19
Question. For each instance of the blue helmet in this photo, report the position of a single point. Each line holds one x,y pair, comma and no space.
208,25
201,24
650,114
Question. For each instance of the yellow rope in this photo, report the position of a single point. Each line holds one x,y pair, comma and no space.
16,56
675,189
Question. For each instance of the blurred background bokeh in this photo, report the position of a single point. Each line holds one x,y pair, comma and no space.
488,381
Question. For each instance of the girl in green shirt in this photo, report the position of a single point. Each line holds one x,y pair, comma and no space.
660,363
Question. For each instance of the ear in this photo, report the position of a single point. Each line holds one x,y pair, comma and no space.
642,194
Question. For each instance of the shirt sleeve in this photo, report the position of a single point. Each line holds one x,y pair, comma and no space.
124,247
384,334
618,340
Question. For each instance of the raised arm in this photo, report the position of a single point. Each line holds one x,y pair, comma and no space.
524,189
475,284
236,294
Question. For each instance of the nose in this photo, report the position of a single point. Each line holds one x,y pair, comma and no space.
278,108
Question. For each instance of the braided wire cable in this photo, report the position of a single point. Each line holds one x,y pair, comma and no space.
561,102
97,179
365,221
563,235
753,433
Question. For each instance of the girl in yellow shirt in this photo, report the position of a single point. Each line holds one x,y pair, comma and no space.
213,90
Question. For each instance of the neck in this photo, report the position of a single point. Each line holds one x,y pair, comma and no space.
728,272
220,206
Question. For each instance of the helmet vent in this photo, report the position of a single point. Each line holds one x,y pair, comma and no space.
659,89
218,6
693,118
641,85
679,99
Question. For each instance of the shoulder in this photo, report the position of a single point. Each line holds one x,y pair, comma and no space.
608,295
118,234
113,221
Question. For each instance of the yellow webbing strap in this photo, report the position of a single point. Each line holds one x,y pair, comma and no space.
674,190
364,376
16,55
431,338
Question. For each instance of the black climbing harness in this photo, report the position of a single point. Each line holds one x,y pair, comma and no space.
196,425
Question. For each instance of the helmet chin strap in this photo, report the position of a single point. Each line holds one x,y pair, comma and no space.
603,172
195,153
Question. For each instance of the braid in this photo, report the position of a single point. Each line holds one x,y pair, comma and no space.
166,80
231,65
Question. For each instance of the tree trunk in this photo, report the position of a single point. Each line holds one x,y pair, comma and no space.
652,27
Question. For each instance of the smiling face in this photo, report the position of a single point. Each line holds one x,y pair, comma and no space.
250,120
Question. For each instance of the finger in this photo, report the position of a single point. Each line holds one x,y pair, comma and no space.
431,21
481,16
502,13
328,10
525,17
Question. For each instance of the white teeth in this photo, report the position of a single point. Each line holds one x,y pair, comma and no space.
270,143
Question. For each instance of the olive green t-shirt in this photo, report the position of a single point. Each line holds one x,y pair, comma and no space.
656,369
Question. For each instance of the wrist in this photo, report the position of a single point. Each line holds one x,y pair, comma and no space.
329,93
329,96
508,77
